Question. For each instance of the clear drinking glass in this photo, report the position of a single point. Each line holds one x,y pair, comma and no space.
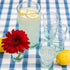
29,21
60,38
51,21
47,54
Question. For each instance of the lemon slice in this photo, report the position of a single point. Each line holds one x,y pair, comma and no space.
28,13
1,48
22,12
32,14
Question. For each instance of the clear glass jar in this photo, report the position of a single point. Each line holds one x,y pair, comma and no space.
29,21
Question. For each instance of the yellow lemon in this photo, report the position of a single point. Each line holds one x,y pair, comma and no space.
22,12
1,48
63,57
32,14
28,13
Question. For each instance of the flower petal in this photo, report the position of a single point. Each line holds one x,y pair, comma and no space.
16,41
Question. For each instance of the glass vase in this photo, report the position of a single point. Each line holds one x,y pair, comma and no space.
17,57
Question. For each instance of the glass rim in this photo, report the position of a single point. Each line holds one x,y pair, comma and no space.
52,13
28,2
45,44
48,47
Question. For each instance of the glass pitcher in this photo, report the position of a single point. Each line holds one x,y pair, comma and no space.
29,21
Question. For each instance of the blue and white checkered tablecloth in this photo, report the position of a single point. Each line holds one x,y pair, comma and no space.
8,21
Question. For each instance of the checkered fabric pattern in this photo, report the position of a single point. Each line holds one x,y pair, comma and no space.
8,21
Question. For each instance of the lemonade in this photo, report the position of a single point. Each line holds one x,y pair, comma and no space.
29,21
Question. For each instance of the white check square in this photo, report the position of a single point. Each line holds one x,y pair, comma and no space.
5,11
62,11
13,11
52,5
13,17
4,16
7,1
2,22
15,5
6,5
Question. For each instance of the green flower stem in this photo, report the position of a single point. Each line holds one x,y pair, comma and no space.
18,55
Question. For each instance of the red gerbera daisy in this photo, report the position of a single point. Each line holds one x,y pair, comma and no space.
16,41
